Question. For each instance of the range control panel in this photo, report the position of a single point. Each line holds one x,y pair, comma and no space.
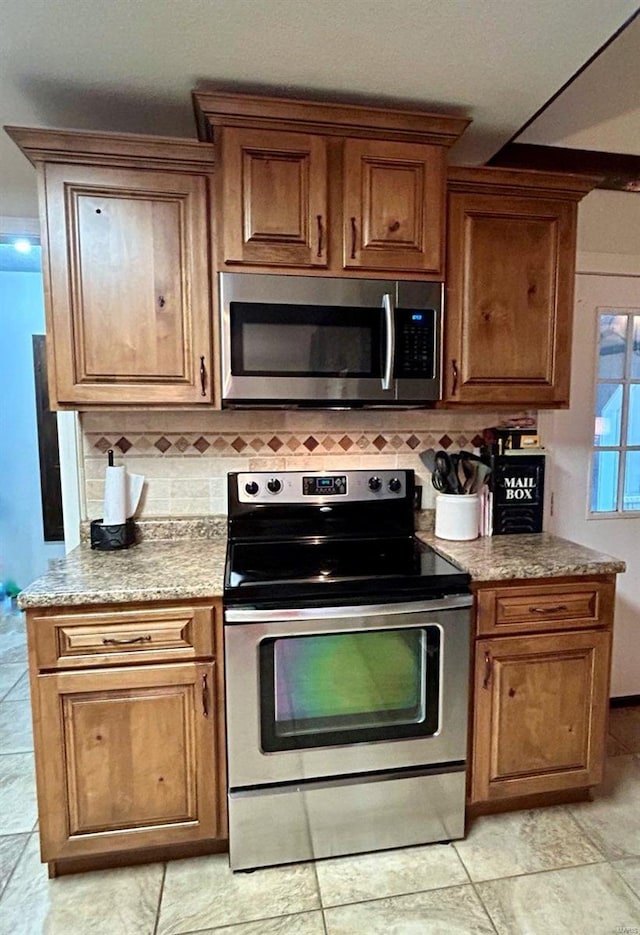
321,486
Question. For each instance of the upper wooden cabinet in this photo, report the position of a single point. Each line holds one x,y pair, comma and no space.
510,271
125,233
329,187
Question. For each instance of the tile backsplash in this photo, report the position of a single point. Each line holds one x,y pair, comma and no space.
185,456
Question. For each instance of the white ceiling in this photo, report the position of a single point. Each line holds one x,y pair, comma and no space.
129,65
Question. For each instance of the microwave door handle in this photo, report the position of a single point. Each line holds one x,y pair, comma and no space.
389,319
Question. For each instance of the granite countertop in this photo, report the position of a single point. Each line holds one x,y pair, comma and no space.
151,570
183,560
540,555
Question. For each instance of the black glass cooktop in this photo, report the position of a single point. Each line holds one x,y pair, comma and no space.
318,570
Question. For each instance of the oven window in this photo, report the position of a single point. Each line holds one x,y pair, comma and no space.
342,688
304,341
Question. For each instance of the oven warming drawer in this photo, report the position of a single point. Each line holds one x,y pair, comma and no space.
349,816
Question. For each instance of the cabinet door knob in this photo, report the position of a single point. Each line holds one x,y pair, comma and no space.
203,377
487,669
454,369
320,235
354,234
205,696
161,301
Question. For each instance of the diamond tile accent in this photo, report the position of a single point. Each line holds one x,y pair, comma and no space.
328,443
239,444
256,443
142,443
182,444
275,444
293,443
220,444
396,442
476,441
445,442
413,441
380,442
163,444
201,444
102,445
311,443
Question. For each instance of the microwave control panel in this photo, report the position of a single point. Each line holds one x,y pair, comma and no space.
415,343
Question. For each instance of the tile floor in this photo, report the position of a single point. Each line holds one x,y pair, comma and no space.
554,871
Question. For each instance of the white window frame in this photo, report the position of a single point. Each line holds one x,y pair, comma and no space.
622,448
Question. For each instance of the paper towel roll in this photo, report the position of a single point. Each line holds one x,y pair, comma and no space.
115,496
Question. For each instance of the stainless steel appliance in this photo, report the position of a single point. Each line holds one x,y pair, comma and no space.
311,341
346,654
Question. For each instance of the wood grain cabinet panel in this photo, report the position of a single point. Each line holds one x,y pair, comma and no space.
540,713
130,302
130,756
393,206
274,198
534,608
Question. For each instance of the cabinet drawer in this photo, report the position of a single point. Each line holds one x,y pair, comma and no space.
163,634
532,608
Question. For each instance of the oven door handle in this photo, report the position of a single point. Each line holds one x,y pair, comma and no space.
247,615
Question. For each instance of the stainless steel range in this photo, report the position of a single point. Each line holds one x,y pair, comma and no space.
347,653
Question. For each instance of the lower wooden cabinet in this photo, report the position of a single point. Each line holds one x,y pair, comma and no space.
540,701
129,757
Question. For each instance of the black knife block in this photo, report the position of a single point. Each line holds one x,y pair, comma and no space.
110,538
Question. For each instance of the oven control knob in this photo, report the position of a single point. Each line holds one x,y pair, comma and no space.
375,483
251,488
394,485
274,485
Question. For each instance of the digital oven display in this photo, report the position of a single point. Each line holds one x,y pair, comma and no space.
317,486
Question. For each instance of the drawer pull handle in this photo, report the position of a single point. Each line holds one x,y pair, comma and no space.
548,610
136,639
205,697
203,377
487,669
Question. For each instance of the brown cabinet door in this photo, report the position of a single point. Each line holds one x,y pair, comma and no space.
274,198
539,713
393,206
510,268
128,277
125,758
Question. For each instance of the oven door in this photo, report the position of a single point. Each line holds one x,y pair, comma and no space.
328,692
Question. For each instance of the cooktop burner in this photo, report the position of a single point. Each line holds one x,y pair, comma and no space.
317,538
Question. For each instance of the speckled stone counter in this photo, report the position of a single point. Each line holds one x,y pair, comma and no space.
542,555
151,570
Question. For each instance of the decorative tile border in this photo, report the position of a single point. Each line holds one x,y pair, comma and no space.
230,444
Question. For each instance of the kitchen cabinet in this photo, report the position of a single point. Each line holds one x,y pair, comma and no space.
125,236
541,688
128,731
326,188
510,270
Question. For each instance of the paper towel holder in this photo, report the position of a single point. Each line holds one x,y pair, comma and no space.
109,538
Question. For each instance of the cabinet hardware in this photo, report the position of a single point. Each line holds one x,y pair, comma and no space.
487,669
161,301
353,238
454,368
548,610
394,226
205,696
203,377
320,234
135,639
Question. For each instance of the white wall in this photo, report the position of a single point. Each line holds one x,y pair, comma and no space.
24,554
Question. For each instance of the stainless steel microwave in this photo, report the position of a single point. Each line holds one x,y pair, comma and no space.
310,341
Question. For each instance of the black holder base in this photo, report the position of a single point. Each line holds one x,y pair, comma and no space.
109,538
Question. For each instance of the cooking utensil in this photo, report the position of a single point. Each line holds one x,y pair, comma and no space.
445,473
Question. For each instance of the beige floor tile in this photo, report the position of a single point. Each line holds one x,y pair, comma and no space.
20,691
10,675
388,873
18,807
454,911
624,725
612,820
573,901
203,893
11,846
524,842
13,642
629,870
307,923
108,902
16,735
